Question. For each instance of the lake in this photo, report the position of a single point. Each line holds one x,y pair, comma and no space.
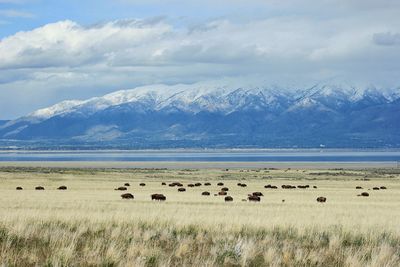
205,156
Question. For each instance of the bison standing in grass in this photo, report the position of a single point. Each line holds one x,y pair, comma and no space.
205,193
228,199
39,188
254,198
121,188
321,199
222,193
127,196
18,188
364,194
63,187
181,189
158,197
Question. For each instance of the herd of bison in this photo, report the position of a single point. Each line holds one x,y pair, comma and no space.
223,191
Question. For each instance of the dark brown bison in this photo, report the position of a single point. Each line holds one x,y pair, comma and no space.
142,184
364,194
288,186
222,193
225,189
18,188
254,198
321,199
127,196
239,184
315,187
127,184
359,187
207,184
190,185
267,186
63,187
197,184
39,188
220,184
121,188
258,194
163,183
375,188
243,185
228,199
274,187
181,189
383,187
205,193
159,197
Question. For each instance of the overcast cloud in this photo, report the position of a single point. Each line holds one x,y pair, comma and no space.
302,41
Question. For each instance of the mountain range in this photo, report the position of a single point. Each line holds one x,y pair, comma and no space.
337,115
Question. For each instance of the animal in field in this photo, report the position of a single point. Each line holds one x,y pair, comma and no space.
383,187
205,193
225,189
163,183
222,193
181,189
197,184
364,194
258,194
254,198
158,197
62,187
121,188
220,184
127,196
375,188
190,185
39,188
19,188
359,187
207,184
142,184
228,199
321,199
127,184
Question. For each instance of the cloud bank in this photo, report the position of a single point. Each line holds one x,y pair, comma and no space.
65,59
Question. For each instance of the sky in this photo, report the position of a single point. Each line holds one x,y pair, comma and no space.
54,50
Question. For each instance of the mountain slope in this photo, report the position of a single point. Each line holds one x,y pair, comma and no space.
204,115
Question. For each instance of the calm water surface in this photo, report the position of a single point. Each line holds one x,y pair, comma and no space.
205,155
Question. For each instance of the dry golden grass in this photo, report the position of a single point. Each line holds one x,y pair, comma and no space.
90,225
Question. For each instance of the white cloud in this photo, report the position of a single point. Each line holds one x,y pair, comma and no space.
66,60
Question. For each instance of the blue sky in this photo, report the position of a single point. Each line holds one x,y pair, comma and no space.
56,50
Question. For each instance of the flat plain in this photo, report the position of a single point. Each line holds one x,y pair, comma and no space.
90,225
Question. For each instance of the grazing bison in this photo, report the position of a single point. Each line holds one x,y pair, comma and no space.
39,188
321,199
267,186
63,187
228,199
283,200
121,188
225,189
197,184
364,194
239,184
222,193
375,188
142,184
254,198
359,187
220,184
258,194
383,187
315,187
127,196
274,187
205,193
127,184
159,197
207,184
19,188
243,185
190,185
181,189
288,186
163,183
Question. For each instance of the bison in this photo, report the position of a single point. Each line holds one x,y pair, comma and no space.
220,184
197,184
383,187
19,188
190,185
225,189
228,199
254,198
127,196
127,184
159,197
321,199
181,189
243,185
205,193
121,188
39,188
359,187
375,188
222,193
207,184
364,194
163,183
63,187
142,184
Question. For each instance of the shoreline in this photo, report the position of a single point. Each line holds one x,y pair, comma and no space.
199,164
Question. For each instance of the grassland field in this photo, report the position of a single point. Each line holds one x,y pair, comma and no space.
90,225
